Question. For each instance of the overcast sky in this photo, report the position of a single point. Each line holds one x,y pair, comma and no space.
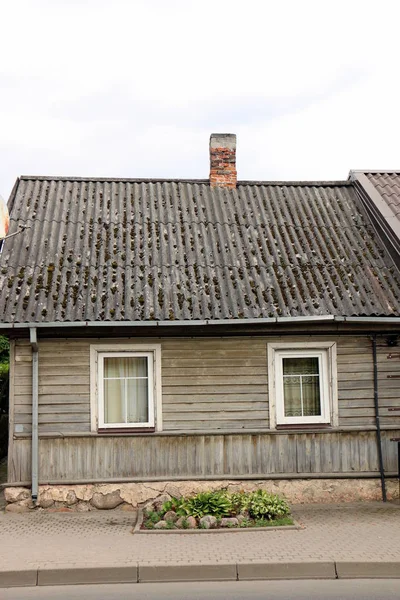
131,88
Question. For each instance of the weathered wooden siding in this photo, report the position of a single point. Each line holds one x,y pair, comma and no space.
207,384
210,456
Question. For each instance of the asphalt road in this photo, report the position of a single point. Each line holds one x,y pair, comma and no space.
361,589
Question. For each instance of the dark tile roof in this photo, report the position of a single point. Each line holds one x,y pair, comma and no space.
388,185
114,250
380,194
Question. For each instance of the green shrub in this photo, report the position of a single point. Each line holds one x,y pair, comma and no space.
217,504
262,505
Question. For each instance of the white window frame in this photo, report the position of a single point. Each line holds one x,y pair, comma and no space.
97,354
327,360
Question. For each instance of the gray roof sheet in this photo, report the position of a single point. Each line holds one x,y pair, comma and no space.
115,250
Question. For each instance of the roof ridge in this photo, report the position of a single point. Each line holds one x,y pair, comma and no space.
314,183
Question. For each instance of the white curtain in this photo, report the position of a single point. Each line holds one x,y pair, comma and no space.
301,387
126,389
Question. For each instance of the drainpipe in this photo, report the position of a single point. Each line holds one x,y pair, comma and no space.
35,412
377,419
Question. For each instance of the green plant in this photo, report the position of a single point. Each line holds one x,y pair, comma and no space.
262,505
153,516
245,523
239,502
175,505
207,503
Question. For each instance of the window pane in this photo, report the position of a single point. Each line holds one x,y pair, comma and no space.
129,366
137,405
301,387
114,401
292,396
311,396
300,366
126,389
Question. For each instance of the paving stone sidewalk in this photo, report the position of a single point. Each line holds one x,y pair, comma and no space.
363,533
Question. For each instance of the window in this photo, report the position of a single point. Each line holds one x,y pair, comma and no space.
125,387
302,383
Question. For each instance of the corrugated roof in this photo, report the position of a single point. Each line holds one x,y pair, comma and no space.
114,250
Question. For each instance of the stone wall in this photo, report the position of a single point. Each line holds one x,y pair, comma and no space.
128,496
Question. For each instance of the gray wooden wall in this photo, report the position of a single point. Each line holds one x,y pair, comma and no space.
207,384
261,455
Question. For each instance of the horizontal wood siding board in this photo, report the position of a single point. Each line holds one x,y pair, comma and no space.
200,374
210,405
213,397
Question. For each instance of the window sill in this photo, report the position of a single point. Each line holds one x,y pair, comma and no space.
127,430
304,426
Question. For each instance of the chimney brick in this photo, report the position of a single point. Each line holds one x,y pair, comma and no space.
223,160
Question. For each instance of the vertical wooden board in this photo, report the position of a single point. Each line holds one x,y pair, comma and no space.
326,453
247,465
255,450
199,456
303,453
363,444
286,454
268,450
354,449
129,452
218,457
208,455
239,443
336,453
163,455
317,440
87,465
21,461
389,450
228,455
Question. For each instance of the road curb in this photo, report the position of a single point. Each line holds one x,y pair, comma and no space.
368,569
289,570
18,578
242,571
202,572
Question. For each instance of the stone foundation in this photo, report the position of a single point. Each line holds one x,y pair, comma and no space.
128,496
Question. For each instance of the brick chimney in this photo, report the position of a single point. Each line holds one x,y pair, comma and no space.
223,160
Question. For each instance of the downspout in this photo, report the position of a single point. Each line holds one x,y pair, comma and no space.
377,419
35,413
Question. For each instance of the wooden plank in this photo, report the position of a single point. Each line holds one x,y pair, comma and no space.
55,418
49,399
214,371
190,362
222,389
51,409
215,380
216,415
213,405
217,424
212,397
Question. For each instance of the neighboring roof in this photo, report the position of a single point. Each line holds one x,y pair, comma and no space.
380,194
145,250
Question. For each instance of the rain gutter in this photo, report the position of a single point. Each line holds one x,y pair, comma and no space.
377,420
201,323
35,412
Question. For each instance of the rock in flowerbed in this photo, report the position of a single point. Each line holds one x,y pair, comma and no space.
218,509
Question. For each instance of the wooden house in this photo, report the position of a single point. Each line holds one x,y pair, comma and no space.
174,334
